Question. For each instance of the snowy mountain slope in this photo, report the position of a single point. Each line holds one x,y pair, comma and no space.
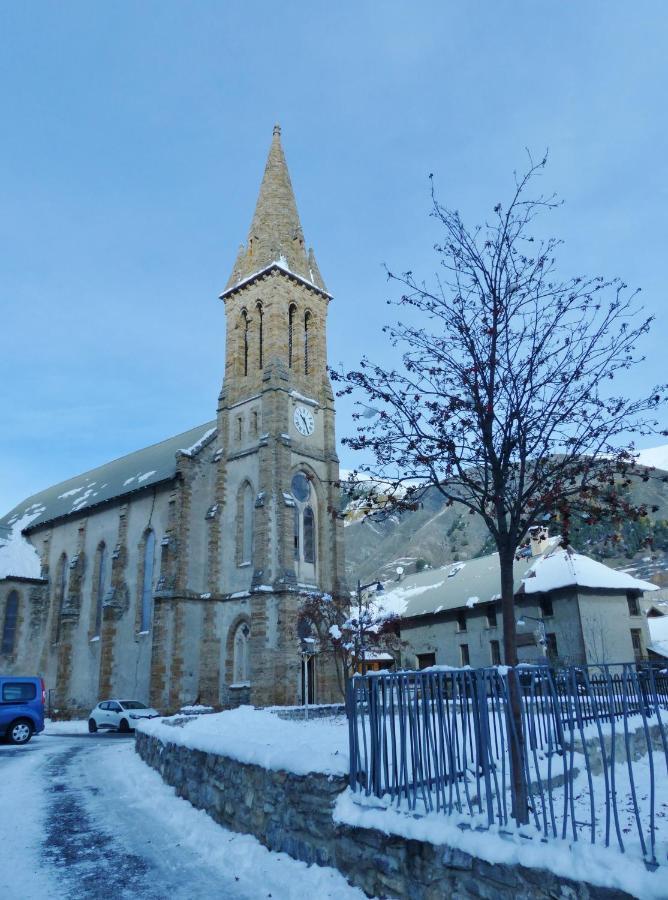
655,456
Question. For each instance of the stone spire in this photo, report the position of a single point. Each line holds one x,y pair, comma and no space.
276,233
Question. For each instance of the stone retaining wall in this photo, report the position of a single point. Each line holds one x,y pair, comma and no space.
293,814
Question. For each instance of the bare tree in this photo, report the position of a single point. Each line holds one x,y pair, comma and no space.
348,630
510,399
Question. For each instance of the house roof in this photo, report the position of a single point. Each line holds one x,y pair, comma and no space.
466,584
454,586
565,568
118,478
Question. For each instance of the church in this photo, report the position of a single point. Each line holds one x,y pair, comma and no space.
175,574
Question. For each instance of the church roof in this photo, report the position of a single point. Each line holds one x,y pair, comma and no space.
275,235
118,478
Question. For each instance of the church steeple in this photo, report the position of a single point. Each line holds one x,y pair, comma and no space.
275,235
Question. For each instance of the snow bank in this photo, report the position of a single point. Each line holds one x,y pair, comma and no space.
580,861
73,726
257,870
259,737
18,557
564,568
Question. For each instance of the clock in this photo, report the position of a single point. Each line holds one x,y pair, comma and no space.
304,421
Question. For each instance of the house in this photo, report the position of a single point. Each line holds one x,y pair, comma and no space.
569,608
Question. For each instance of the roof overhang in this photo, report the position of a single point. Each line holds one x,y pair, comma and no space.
23,580
261,273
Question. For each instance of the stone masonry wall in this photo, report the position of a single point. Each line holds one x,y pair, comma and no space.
293,814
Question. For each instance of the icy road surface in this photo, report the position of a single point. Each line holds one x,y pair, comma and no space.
83,817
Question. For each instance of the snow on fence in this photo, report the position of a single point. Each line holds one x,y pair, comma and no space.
590,755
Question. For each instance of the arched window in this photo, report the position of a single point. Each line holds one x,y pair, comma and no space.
296,532
9,626
241,661
246,535
245,324
147,581
307,323
304,526
291,323
260,335
309,535
101,568
61,593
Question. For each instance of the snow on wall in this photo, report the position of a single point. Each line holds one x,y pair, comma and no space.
278,744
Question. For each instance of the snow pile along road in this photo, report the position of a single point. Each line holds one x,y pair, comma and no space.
259,737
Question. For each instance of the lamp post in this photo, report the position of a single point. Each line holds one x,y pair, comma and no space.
378,587
541,628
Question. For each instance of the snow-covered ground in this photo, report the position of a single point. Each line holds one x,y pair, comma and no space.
281,744
86,818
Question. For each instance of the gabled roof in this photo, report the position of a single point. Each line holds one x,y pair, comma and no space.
565,568
136,471
466,584
275,235
455,586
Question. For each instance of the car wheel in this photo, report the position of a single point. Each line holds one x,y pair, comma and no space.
124,727
92,726
20,732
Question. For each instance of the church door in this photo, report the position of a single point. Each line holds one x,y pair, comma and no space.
308,669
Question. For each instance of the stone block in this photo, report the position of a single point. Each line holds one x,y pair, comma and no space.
453,858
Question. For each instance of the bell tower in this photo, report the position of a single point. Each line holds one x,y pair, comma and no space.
281,531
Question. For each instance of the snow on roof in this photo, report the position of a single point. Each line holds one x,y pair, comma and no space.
148,466
280,263
478,582
396,600
659,647
565,568
199,443
18,557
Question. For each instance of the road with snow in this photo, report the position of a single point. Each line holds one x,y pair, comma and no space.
82,816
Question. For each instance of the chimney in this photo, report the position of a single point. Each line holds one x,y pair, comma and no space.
539,538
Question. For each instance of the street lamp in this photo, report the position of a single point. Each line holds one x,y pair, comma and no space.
542,640
378,589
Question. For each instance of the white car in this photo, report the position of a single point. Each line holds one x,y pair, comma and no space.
119,715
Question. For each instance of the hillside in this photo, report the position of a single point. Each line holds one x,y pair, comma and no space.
436,534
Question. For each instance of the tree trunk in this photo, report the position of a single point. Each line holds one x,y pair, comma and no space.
520,810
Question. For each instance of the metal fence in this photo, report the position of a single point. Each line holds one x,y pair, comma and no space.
584,755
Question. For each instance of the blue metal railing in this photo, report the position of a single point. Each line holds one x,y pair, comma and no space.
583,757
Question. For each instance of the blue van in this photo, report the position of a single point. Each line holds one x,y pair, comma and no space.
21,708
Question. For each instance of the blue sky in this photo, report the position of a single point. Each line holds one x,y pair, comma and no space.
133,139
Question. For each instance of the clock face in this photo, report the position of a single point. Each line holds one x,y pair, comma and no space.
304,421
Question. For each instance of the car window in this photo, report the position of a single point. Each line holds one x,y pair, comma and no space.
114,707
19,691
104,705
133,704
